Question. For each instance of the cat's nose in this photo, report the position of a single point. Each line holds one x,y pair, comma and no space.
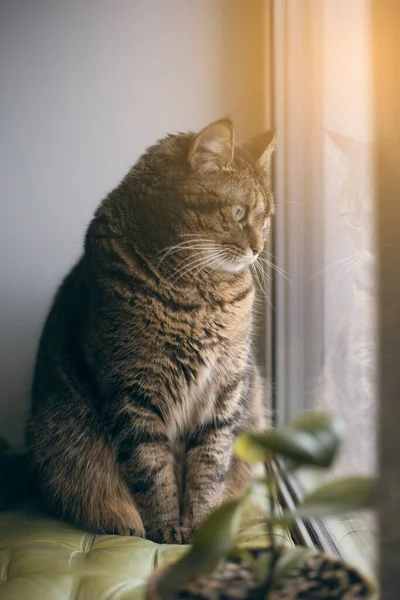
257,248
257,245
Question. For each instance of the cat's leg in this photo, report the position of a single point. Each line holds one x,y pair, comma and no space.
150,475
147,462
239,476
209,455
208,461
257,418
213,473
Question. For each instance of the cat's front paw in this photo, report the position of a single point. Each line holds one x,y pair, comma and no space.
170,534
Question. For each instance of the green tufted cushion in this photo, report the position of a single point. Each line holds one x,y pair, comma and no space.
44,559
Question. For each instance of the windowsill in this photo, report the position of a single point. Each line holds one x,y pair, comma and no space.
353,535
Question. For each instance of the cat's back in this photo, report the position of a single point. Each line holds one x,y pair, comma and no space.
61,330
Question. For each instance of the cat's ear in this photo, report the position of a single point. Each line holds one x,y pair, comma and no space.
213,147
261,147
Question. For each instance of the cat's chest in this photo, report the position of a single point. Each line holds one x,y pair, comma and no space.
198,353
197,383
195,402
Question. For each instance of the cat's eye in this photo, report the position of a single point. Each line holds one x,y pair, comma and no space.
239,212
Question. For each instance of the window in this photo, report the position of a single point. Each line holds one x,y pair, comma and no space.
325,338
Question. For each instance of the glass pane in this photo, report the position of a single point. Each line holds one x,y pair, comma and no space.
349,282
325,324
324,238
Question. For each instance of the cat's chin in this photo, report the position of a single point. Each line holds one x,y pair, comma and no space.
237,265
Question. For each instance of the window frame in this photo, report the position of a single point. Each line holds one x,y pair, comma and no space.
297,173
386,75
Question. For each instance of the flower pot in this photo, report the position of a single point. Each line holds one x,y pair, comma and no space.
321,576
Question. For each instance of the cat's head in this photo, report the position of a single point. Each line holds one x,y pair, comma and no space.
203,202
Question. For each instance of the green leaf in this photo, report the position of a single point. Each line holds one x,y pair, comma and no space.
312,439
247,449
212,542
242,554
190,567
255,521
261,565
340,495
347,494
291,559
220,528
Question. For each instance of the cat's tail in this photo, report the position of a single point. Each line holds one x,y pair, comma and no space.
79,476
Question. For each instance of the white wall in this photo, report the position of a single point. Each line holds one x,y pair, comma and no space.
86,85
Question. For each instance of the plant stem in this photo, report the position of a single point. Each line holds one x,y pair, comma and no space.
270,527
272,508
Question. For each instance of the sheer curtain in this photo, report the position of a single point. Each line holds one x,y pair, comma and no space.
325,323
324,240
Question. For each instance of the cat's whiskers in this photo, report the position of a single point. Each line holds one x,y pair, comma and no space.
183,242
204,250
198,265
231,259
187,244
269,254
189,234
279,270
259,274
260,268
214,261
196,268
187,263
186,268
213,264
187,248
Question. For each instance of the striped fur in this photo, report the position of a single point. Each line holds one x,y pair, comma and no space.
145,372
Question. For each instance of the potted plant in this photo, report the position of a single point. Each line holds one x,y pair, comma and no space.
215,567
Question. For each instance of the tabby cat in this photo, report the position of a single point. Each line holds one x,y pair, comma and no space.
145,372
